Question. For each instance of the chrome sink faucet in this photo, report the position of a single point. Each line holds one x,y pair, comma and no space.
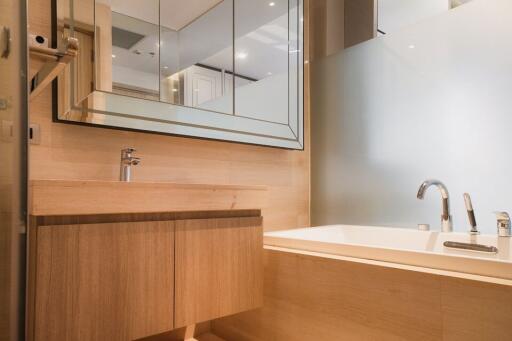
127,161
446,218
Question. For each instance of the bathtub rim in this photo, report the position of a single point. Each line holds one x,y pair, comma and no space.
454,265
392,265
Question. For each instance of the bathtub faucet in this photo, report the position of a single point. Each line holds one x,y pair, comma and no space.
446,218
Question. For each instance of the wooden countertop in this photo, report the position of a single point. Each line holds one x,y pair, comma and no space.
82,197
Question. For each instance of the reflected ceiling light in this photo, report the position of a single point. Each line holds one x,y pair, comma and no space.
166,67
241,55
113,56
272,4
269,73
174,90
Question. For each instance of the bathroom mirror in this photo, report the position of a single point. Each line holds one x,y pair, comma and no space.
218,69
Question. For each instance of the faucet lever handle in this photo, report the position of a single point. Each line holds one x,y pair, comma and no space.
127,152
504,225
471,214
502,216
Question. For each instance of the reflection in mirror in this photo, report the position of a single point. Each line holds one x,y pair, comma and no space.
134,57
262,48
168,66
77,21
197,53
134,50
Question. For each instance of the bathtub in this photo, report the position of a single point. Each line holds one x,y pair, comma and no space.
398,247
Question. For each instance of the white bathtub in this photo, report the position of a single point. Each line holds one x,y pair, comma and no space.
419,249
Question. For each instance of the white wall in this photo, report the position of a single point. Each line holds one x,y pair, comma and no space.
386,116
128,76
394,15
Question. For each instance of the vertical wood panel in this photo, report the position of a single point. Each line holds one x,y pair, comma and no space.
104,281
219,269
316,298
473,311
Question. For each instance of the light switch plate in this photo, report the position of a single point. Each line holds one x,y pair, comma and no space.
34,133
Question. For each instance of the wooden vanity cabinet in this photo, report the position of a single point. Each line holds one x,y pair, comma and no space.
112,281
122,281
219,268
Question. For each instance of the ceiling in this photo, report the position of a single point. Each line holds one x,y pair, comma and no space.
175,14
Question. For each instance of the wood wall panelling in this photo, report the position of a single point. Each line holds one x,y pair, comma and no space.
310,297
104,281
360,21
219,268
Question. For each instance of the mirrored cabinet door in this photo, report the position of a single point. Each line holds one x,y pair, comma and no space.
135,48
196,54
261,59
219,69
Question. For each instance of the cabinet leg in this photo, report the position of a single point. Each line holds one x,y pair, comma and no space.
190,333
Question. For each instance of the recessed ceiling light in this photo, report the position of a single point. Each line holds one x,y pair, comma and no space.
412,46
241,55
113,56
269,73
272,4
166,67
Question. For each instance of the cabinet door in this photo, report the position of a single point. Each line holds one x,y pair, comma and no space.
104,281
219,268
202,85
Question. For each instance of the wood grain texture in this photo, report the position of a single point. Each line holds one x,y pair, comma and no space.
316,298
360,21
474,311
219,268
104,281
82,153
59,197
